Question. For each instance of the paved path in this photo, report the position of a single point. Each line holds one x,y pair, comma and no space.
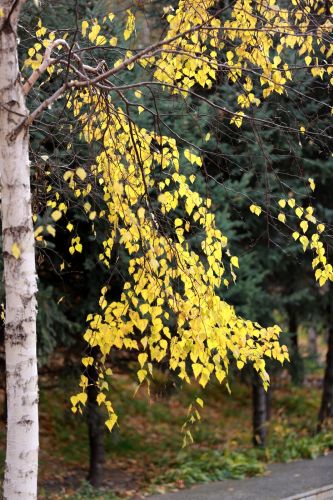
303,479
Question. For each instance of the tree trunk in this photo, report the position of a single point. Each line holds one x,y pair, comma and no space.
260,417
20,480
96,430
326,408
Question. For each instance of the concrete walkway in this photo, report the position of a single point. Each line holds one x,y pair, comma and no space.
303,479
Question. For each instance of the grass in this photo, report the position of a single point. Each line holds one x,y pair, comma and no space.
145,454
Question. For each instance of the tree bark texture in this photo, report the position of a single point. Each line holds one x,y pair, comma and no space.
96,429
260,415
326,408
20,481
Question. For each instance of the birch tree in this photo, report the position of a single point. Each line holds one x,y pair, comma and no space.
19,269
169,308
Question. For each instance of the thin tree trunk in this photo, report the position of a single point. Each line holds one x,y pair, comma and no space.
20,480
96,430
326,408
260,417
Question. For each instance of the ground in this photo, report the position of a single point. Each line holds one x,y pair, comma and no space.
145,454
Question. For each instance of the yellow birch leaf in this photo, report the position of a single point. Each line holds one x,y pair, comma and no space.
304,226
197,369
322,281
299,212
234,261
56,215
51,230
80,172
85,26
305,242
312,184
142,358
100,398
200,402
87,361
111,422
142,375
82,397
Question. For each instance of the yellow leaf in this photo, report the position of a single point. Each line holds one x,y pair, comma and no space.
100,40
140,109
237,119
100,398
82,397
74,400
305,242
320,228
50,229
255,209
142,358
142,375
282,203
142,324
197,369
240,364
39,231
85,25
80,172
94,32
312,184
16,252
282,218
200,402
87,361
304,226
234,261
322,281
299,212
295,235
56,215
111,422
291,202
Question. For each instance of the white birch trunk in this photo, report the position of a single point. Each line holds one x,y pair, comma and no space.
19,271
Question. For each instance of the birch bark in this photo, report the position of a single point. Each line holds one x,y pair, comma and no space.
20,480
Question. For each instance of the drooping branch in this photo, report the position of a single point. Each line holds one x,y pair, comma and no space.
46,63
